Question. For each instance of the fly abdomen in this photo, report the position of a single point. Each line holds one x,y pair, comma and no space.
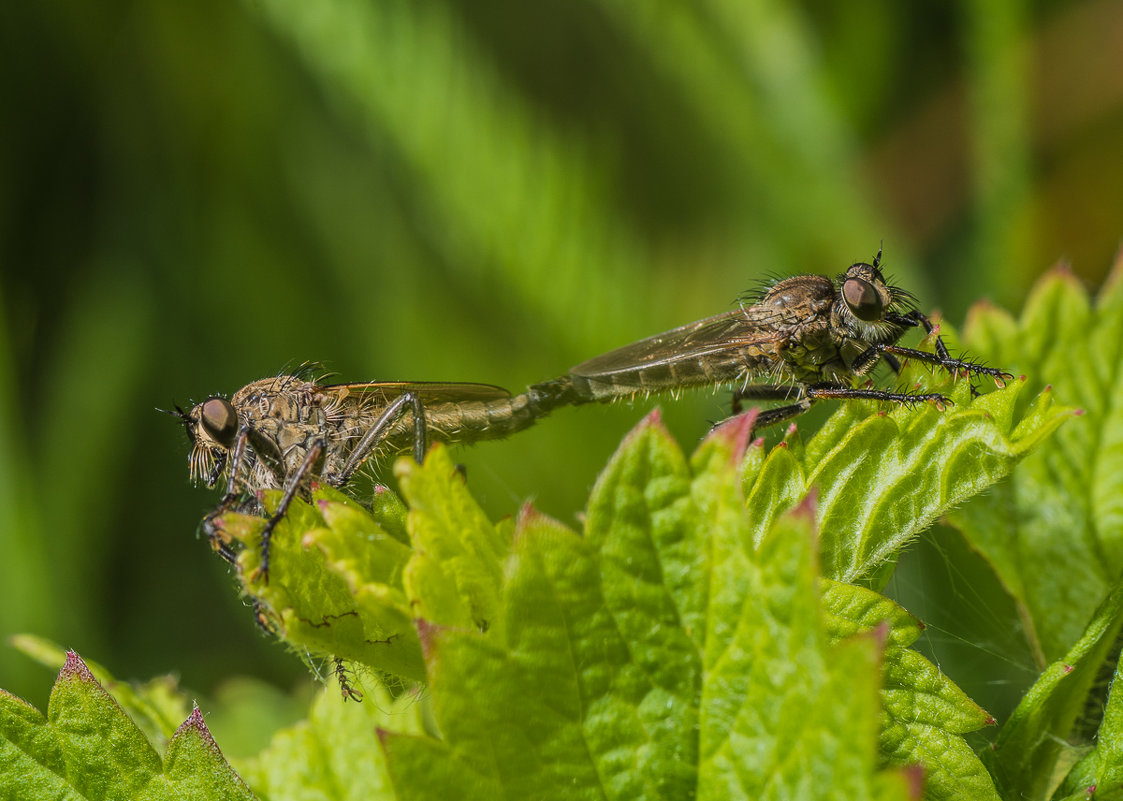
472,420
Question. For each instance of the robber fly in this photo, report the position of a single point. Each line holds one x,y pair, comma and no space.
803,339
282,432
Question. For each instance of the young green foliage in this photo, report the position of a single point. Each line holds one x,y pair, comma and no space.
1054,532
335,586
883,477
335,754
1032,744
156,707
661,655
1102,767
343,584
88,747
924,714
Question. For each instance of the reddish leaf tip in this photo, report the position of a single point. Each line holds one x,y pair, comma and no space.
914,778
1078,412
990,721
77,667
652,420
527,515
736,431
428,634
806,508
195,723
880,632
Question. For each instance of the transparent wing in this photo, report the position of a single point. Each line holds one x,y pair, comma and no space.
723,332
431,391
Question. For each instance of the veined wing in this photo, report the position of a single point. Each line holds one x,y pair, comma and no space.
724,332
428,391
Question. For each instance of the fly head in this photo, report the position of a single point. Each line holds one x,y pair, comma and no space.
212,427
867,306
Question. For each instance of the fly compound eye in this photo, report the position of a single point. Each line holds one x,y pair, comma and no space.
219,419
863,299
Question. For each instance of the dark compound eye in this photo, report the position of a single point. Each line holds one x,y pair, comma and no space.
863,300
220,421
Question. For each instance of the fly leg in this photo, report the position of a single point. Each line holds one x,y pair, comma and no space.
291,488
837,391
220,543
377,432
367,445
810,393
893,363
270,456
764,392
942,356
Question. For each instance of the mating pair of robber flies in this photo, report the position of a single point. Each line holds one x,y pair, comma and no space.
803,339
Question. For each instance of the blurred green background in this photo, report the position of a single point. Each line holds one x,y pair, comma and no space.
194,195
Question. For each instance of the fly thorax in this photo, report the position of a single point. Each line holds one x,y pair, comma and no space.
292,435
809,356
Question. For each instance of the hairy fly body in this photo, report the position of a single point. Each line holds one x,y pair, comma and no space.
803,339
283,432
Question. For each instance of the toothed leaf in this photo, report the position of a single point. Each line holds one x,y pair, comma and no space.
1054,532
86,747
883,476
660,655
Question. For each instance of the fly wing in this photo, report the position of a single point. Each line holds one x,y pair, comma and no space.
431,391
724,332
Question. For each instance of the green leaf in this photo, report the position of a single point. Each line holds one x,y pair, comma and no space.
1054,532
335,582
87,748
1033,742
155,706
341,585
923,711
883,476
1102,766
660,655
335,754
455,572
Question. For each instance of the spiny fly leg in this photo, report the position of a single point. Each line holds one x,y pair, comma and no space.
917,318
220,542
261,617
348,691
949,363
771,392
292,487
770,417
817,391
378,431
